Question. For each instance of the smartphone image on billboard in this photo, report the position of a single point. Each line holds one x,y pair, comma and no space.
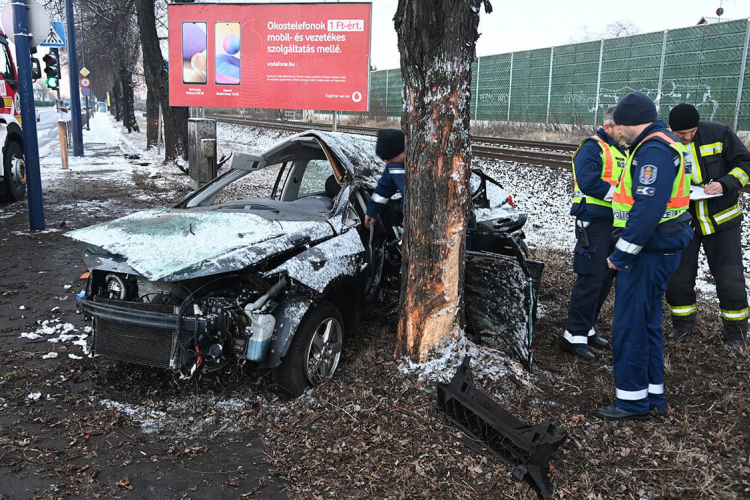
227,47
194,59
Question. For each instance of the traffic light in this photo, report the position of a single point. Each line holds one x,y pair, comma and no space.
52,68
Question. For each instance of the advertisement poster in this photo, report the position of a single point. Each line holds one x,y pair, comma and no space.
278,56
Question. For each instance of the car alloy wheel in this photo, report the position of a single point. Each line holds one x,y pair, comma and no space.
323,350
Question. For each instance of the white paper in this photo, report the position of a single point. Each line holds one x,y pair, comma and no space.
698,193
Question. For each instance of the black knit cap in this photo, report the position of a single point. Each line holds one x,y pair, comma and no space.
390,143
635,108
683,117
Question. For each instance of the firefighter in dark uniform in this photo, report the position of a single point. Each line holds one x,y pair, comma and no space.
721,165
652,226
597,165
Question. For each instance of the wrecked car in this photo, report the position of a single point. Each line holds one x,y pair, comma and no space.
222,279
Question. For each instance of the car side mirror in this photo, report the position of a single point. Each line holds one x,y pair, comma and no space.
36,69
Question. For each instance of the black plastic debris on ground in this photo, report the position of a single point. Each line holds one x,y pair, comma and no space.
527,447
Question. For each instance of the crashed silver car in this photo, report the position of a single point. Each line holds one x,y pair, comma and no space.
282,281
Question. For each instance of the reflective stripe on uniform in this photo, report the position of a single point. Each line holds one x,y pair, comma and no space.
697,175
628,247
631,395
701,210
728,214
712,149
397,171
735,315
592,332
683,310
575,339
379,199
656,388
740,175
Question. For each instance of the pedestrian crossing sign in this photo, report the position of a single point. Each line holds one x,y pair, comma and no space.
56,36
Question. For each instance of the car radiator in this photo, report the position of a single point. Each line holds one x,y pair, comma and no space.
131,343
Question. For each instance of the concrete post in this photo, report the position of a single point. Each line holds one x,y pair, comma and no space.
201,151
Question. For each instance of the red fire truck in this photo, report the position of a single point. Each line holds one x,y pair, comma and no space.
13,170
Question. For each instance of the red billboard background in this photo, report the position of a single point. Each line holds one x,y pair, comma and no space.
282,56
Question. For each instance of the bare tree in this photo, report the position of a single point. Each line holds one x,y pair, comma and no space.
437,42
157,80
619,29
613,30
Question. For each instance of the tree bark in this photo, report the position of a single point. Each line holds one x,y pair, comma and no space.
152,119
157,79
437,42
117,96
128,100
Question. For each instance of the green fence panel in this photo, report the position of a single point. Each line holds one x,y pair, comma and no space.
699,65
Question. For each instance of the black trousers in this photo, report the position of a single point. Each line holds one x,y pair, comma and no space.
724,254
594,278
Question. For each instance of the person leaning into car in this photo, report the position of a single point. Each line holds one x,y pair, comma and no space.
390,147
721,164
597,165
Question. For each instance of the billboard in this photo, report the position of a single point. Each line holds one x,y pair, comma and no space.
281,56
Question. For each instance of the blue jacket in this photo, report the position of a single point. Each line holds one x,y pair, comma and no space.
643,231
588,165
391,181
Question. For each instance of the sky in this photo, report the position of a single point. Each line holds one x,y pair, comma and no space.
533,24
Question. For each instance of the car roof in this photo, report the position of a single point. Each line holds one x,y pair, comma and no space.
355,152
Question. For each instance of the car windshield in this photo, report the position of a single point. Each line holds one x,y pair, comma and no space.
293,182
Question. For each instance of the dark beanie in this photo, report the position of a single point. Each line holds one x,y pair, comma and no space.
683,117
390,143
634,109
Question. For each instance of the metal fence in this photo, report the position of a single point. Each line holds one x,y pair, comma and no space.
706,66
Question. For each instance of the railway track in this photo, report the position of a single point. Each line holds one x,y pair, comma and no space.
546,154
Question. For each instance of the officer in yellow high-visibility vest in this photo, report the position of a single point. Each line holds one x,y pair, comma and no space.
597,165
721,165
652,226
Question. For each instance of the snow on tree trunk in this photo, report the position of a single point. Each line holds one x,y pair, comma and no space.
437,41
157,78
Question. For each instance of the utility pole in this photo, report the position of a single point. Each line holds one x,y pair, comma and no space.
75,101
30,143
83,53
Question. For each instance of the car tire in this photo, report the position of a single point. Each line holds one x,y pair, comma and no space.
14,176
315,351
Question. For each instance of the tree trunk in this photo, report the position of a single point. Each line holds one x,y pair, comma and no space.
117,96
437,42
152,119
157,78
128,100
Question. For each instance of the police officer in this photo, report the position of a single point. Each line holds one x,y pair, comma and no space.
721,165
390,147
597,165
652,226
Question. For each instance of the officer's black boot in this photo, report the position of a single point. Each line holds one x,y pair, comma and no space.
678,333
581,350
595,340
735,333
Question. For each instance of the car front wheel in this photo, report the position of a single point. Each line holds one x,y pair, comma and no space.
315,351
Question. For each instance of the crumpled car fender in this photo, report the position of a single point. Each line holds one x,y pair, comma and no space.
319,266
288,314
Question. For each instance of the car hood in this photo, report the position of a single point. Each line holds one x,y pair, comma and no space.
177,244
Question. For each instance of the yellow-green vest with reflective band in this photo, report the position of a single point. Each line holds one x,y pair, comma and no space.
613,161
623,200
